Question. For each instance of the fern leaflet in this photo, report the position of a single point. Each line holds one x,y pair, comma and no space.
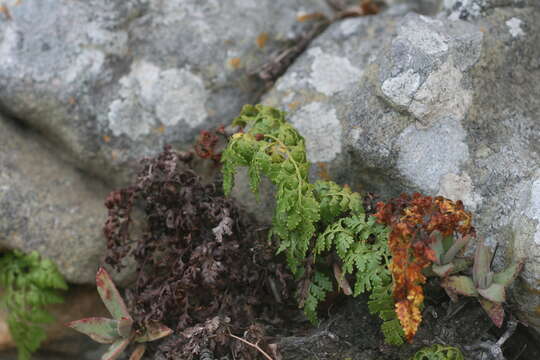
29,284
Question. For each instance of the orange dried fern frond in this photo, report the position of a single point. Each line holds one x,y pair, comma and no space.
413,220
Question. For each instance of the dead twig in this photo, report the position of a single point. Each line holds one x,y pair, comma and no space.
494,349
255,346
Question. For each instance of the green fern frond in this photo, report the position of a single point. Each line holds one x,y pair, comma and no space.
272,147
382,303
319,287
336,201
438,352
29,284
361,245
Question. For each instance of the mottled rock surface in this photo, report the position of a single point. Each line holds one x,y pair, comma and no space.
113,81
48,205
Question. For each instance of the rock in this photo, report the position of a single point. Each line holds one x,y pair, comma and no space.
437,105
48,206
111,82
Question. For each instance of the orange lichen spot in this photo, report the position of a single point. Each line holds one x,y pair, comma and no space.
160,129
114,155
234,62
5,10
106,138
262,39
310,17
294,105
72,100
323,171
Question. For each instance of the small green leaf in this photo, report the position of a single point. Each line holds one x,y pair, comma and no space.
462,285
508,275
495,292
110,295
101,330
116,349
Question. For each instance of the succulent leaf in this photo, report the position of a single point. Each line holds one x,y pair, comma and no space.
481,267
509,274
138,352
455,248
153,332
110,295
494,310
438,247
495,292
124,327
101,330
443,270
462,285
116,349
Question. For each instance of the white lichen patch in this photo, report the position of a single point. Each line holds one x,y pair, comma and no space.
149,95
441,95
88,64
460,187
424,36
514,26
331,74
400,89
319,124
533,210
349,26
427,155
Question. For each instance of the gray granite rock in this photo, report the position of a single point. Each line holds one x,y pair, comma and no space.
49,206
112,81
437,105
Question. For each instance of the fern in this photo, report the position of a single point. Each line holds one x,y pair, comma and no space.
361,246
312,221
274,148
382,303
29,284
336,201
319,287
438,352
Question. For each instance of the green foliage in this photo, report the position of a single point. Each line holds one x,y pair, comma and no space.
312,221
336,201
382,303
319,287
361,246
438,352
29,283
274,148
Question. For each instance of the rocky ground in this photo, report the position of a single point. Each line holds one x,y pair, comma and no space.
441,97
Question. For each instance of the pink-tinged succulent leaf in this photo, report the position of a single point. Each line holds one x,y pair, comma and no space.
462,285
124,327
116,349
508,275
110,295
101,330
481,266
494,310
138,352
153,332
455,248
443,270
437,246
495,293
